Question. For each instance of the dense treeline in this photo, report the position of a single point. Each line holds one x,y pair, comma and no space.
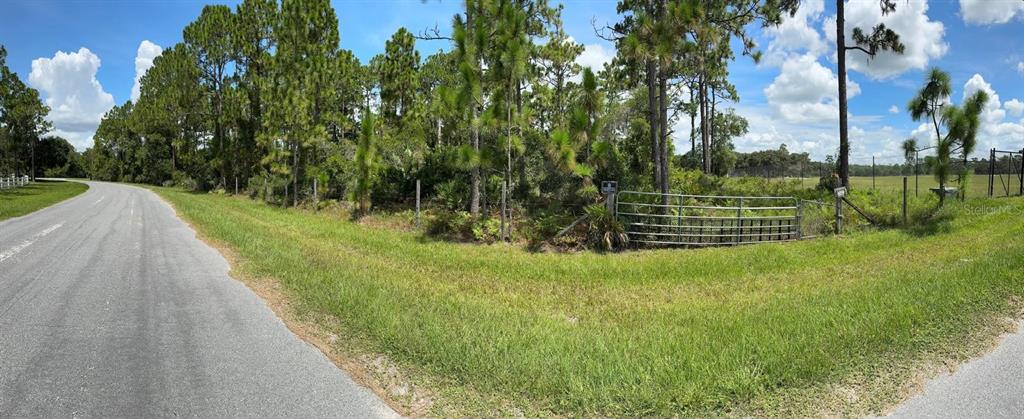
263,96
22,123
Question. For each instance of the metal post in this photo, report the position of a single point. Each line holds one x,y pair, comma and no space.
904,200
417,204
236,185
991,171
679,220
1009,172
1021,185
799,219
872,172
739,221
316,197
839,215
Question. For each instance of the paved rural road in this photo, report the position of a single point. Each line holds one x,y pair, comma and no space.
991,386
110,307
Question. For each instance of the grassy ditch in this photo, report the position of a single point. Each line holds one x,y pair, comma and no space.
35,196
496,329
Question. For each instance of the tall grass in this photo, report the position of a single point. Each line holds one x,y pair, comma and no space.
640,333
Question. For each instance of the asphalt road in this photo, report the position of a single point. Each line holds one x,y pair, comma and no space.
991,386
111,307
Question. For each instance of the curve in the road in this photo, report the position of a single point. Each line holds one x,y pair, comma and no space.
111,307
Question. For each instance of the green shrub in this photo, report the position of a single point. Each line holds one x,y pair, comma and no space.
604,231
487,230
543,228
185,182
457,225
452,195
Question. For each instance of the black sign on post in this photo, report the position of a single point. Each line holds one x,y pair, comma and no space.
609,187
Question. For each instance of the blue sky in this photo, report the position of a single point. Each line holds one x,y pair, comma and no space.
84,57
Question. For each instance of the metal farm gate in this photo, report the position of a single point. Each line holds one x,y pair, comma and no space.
697,220
1008,168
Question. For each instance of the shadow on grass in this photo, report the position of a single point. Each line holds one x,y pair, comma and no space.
29,190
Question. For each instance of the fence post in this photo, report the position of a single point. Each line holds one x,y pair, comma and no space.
417,204
799,219
1021,185
504,194
679,220
872,172
316,197
610,190
236,185
904,200
739,221
839,214
991,171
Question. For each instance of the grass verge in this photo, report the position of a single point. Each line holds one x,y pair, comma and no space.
770,329
35,196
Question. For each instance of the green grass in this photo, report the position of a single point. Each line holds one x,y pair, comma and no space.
765,329
977,185
37,195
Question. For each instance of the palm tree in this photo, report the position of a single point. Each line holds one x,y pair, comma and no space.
931,98
962,124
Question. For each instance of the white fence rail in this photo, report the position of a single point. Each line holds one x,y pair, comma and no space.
12,181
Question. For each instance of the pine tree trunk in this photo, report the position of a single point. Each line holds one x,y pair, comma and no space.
474,197
438,142
693,127
663,133
711,132
652,121
295,176
705,142
844,139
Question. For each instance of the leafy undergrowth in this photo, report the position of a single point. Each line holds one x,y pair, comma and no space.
35,196
764,329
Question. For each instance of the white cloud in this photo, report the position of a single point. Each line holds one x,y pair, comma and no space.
76,99
595,56
143,61
1020,67
995,132
894,110
922,37
987,12
867,137
993,112
806,91
924,134
1014,107
796,35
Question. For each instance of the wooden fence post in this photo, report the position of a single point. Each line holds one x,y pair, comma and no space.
840,193
904,200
